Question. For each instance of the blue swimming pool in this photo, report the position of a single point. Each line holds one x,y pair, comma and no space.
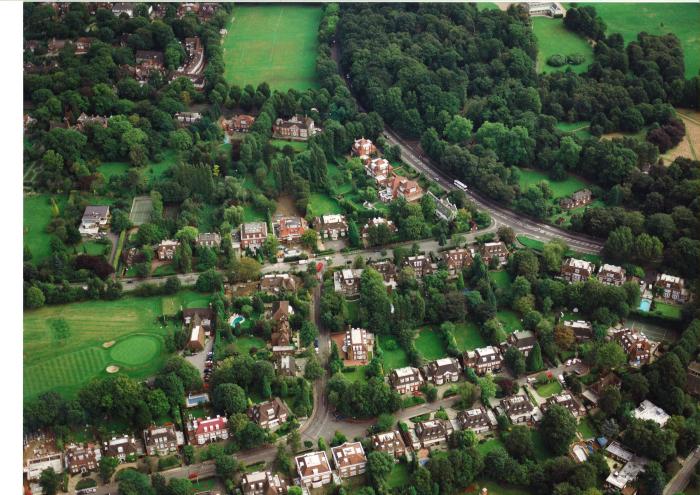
645,305
236,320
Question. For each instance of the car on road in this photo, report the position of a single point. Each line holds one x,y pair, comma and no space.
437,179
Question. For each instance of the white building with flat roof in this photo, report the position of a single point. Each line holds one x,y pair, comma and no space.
647,410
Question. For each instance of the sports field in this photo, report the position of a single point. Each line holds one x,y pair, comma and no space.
682,19
553,38
272,43
130,322
37,215
141,209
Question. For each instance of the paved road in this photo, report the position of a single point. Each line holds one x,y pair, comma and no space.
682,477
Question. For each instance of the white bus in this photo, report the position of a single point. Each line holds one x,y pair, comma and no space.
461,185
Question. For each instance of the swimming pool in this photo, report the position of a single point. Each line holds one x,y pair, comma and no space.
236,320
645,305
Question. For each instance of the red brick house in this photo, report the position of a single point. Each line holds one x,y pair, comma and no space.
82,458
363,147
166,249
574,270
671,288
297,128
202,431
390,443
611,275
331,227
269,415
494,250
457,259
406,380
483,360
253,235
290,229
239,123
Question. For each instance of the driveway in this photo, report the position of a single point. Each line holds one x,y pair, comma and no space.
198,360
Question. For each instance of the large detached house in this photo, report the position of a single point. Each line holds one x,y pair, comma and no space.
349,459
496,250
636,345
202,431
275,283
331,227
476,419
579,198
297,128
94,217
568,402
582,330
611,274
161,440
431,433
347,281
375,223
671,288
363,148
390,442
442,371
313,469
82,459
406,380
358,345
421,265
208,239
456,260
388,272
574,270
483,360
524,341
290,229
253,235
239,123
518,408
166,249
122,447
379,169
263,483
269,415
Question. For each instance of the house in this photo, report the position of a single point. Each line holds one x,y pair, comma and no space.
375,223
692,381
574,270
421,265
442,371
119,8
290,229
347,281
239,123
195,58
331,227
277,282
94,217
582,330
349,459
263,483
363,148
122,447
208,239
568,402
476,419
380,170
149,59
198,316
518,408
82,458
492,250
39,463
551,9
162,440
579,198
358,345
187,118
85,119
285,364
28,121
389,442
524,341
592,393
297,128
166,249
82,45
456,260
313,469
280,310
671,288
269,415
483,360
197,339
636,345
253,235
282,334
444,209
622,479
648,411
405,380
401,187
611,274
201,431
431,433
388,272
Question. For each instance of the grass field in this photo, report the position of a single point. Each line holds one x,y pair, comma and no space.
392,358
94,248
321,204
553,38
536,245
245,344
296,145
153,170
511,321
398,476
501,278
164,270
667,310
356,375
682,19
430,344
250,214
578,128
541,451
549,389
272,43
499,488
468,336
585,428
489,445
37,215
560,189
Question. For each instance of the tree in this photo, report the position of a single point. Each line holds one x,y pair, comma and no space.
487,386
172,285
188,454
515,361
229,399
564,336
653,479
308,333
609,355
468,393
180,486
309,239
313,370
375,306
558,429
34,298
534,359
379,465
458,130
610,400
226,466
209,281
506,234
519,443
107,467
50,481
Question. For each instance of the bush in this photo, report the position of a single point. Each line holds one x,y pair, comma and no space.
85,483
574,59
168,462
556,60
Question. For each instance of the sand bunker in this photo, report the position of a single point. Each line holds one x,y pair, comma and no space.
112,369
109,344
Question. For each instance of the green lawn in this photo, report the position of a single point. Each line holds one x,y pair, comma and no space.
553,38
398,476
164,270
585,428
356,375
578,128
154,170
395,358
560,189
297,145
353,307
94,248
489,445
37,215
672,311
681,19
276,44
536,245
468,336
501,278
511,321
321,204
245,344
64,367
499,489
567,214
430,344
549,389
486,5
250,214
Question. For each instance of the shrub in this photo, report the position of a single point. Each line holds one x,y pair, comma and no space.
575,59
85,483
168,462
556,60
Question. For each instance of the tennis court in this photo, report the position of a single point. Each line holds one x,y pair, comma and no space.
141,209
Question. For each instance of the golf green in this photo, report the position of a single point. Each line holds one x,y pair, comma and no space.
135,350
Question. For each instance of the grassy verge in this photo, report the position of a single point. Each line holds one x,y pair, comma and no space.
536,245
